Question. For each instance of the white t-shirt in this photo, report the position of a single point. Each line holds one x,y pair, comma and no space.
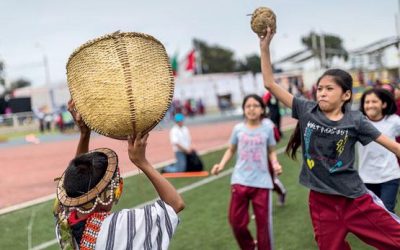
147,228
376,164
181,136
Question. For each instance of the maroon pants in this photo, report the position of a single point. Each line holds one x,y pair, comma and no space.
334,216
239,216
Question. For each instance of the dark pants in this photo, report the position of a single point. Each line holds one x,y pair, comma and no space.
387,191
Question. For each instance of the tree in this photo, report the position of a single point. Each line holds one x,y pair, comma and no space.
2,80
20,83
331,44
251,63
214,59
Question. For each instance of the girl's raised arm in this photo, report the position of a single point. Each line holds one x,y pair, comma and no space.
283,95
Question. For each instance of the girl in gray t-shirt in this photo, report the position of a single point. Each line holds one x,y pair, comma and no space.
327,132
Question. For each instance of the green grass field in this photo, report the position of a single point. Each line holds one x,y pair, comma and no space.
204,223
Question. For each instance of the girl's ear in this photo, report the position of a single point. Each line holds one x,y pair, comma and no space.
347,95
384,105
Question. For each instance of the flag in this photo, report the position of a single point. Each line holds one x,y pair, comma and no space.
174,64
191,61
187,66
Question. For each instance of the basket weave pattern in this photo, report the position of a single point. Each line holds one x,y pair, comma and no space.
121,83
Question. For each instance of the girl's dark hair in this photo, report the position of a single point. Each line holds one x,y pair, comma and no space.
84,172
294,142
341,78
385,96
258,99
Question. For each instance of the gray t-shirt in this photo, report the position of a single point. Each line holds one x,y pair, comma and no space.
328,149
251,168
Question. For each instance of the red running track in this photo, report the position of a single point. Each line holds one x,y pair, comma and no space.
27,171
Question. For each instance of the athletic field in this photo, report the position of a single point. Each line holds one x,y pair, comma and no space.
204,222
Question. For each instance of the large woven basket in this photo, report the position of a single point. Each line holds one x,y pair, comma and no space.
262,18
121,83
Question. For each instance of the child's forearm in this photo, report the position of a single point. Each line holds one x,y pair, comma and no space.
272,156
266,67
164,188
389,144
273,159
83,144
226,157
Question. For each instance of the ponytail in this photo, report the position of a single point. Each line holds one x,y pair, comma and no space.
294,143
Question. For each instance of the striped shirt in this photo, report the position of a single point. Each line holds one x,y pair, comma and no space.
150,227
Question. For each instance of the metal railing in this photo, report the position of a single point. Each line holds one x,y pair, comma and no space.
17,120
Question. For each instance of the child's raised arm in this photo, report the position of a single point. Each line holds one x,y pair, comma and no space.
167,192
83,144
284,96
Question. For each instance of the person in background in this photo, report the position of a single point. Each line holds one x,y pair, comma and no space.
181,145
378,167
279,188
273,110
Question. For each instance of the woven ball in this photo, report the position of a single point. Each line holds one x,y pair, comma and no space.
262,18
121,83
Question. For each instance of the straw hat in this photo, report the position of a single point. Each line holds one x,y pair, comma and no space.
112,166
262,18
121,83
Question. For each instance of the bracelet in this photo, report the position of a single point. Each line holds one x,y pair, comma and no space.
274,162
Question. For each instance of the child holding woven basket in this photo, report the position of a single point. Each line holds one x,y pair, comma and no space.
92,184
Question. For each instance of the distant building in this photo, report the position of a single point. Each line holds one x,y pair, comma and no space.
377,60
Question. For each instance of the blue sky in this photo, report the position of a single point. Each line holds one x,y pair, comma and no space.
31,29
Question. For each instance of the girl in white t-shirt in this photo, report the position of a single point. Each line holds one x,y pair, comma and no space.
378,167
253,142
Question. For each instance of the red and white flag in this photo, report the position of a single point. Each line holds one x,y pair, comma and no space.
187,67
191,61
